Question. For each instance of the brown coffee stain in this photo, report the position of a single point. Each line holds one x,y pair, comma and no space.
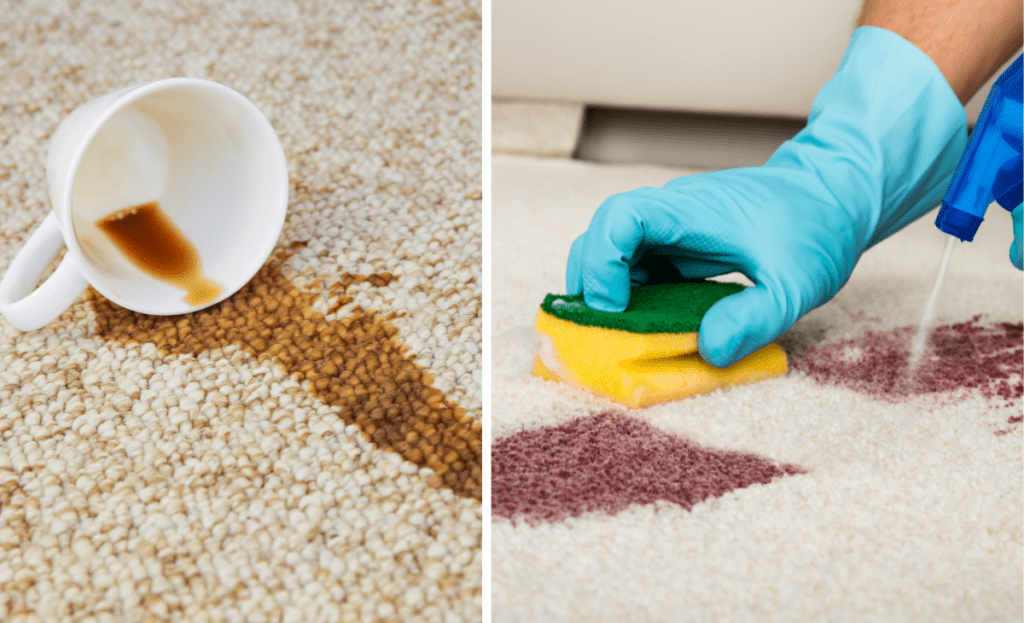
152,242
355,363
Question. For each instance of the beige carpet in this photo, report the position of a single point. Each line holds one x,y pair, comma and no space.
828,494
310,449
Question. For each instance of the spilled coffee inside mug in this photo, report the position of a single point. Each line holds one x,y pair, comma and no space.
151,241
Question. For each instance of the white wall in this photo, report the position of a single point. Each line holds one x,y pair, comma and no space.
723,56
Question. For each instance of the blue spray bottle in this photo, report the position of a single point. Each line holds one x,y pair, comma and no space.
990,169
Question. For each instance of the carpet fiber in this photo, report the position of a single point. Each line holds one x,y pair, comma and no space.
309,449
839,492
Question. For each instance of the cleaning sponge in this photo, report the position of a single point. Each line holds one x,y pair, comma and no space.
646,354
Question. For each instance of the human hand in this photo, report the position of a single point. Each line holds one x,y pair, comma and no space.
882,141
1017,248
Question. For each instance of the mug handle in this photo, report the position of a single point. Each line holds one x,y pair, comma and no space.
23,304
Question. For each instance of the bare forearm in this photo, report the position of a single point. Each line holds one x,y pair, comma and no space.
967,39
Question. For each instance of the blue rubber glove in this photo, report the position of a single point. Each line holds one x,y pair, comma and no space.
1017,248
881,144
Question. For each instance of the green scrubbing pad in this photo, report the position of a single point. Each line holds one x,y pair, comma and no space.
666,308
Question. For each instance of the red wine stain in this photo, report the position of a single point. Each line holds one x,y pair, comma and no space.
1014,424
962,360
609,462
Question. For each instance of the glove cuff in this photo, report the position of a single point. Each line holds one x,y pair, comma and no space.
889,114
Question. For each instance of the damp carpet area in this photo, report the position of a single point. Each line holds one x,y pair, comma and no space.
308,449
842,491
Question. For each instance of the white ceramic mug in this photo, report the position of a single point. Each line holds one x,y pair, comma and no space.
203,151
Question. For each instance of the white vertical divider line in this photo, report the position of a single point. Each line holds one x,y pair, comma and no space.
485,534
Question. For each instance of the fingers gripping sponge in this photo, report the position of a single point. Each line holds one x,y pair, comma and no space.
646,354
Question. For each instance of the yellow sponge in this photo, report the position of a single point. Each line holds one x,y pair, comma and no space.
640,369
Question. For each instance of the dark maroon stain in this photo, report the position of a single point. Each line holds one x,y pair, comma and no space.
964,359
1014,424
608,462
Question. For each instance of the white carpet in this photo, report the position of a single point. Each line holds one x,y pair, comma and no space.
911,509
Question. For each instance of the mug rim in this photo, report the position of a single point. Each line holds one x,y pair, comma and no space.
132,94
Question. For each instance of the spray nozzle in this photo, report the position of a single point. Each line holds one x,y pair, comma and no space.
990,169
